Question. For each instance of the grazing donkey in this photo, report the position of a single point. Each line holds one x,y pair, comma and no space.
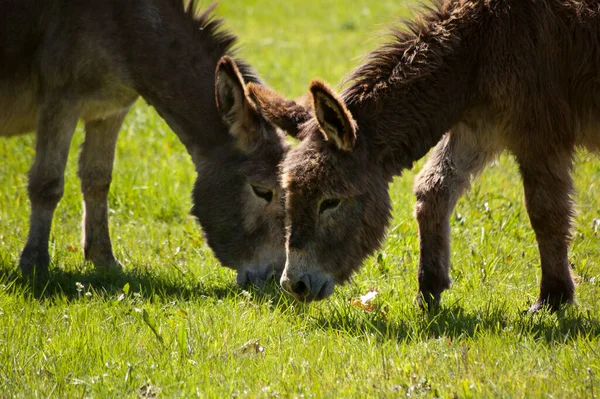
65,60
475,77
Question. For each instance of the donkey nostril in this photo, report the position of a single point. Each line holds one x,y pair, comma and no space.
300,288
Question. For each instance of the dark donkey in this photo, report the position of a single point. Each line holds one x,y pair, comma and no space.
65,60
520,75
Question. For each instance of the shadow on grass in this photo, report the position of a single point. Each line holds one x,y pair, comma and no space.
145,282
449,321
455,322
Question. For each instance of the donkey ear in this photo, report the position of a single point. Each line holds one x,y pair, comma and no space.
334,119
286,114
230,93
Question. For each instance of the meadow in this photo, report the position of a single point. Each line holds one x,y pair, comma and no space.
176,325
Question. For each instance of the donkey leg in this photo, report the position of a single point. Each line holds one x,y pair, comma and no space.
95,172
445,177
56,125
548,188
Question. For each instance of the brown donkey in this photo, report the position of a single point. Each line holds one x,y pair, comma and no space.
65,60
475,77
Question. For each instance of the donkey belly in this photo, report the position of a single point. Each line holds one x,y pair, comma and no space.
106,102
591,136
18,108
591,128
19,112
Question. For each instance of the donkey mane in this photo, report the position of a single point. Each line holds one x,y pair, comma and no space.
402,59
209,31
418,48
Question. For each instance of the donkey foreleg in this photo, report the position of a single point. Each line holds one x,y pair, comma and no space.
445,177
95,171
548,188
56,124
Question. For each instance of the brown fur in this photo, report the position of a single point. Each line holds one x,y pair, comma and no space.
288,115
66,60
475,77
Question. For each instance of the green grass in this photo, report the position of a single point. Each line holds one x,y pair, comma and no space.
175,324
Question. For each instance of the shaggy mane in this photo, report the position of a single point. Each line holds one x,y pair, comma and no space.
416,50
209,30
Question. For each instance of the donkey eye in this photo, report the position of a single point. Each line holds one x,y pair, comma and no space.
330,203
263,193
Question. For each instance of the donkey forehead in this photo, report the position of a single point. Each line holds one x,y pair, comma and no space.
263,161
266,173
306,171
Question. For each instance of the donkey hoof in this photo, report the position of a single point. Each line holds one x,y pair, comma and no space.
110,265
553,303
428,301
541,305
103,261
34,263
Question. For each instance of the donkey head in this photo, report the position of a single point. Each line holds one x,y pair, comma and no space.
336,200
237,196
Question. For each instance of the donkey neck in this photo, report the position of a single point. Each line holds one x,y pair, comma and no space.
173,55
413,90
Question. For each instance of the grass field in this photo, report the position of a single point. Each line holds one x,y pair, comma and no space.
176,325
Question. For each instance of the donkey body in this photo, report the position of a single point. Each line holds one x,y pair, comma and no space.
472,78
66,60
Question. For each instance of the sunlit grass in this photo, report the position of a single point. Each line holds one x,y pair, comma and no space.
174,324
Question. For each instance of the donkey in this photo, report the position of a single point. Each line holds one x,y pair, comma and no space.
472,78
66,60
